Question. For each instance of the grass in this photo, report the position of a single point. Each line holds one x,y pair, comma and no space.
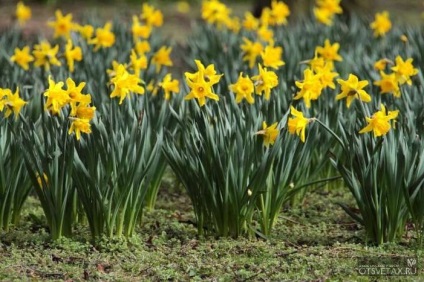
314,240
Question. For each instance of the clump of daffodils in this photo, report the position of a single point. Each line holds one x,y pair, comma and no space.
124,82
320,74
80,113
45,55
401,74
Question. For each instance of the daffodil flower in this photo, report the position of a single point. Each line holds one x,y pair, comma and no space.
169,86
265,81
200,90
329,51
404,70
310,87
162,58
243,89
352,88
23,13
63,25
379,122
297,125
381,24
269,133
22,57
388,84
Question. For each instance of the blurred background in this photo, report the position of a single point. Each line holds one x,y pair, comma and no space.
180,16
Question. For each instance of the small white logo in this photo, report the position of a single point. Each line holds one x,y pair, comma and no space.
412,262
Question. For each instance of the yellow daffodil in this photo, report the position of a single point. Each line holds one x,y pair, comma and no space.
79,125
169,86
352,88
317,63
381,24
162,58
333,6
250,22
11,102
265,81
57,97
265,19
233,24
3,93
138,63
125,83
209,73
297,125
142,47
45,55
310,87
326,9
215,12
22,13
329,51
152,87
265,33
243,89
278,13
81,111
76,97
85,111
379,122
381,64
326,76
152,16
62,26
22,57
14,104
251,51
269,133
104,37
72,54
272,57
86,31
404,70
323,16
388,84
113,71
139,30
200,89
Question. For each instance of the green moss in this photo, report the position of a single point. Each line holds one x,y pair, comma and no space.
313,241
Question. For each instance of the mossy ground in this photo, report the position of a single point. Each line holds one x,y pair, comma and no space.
313,240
